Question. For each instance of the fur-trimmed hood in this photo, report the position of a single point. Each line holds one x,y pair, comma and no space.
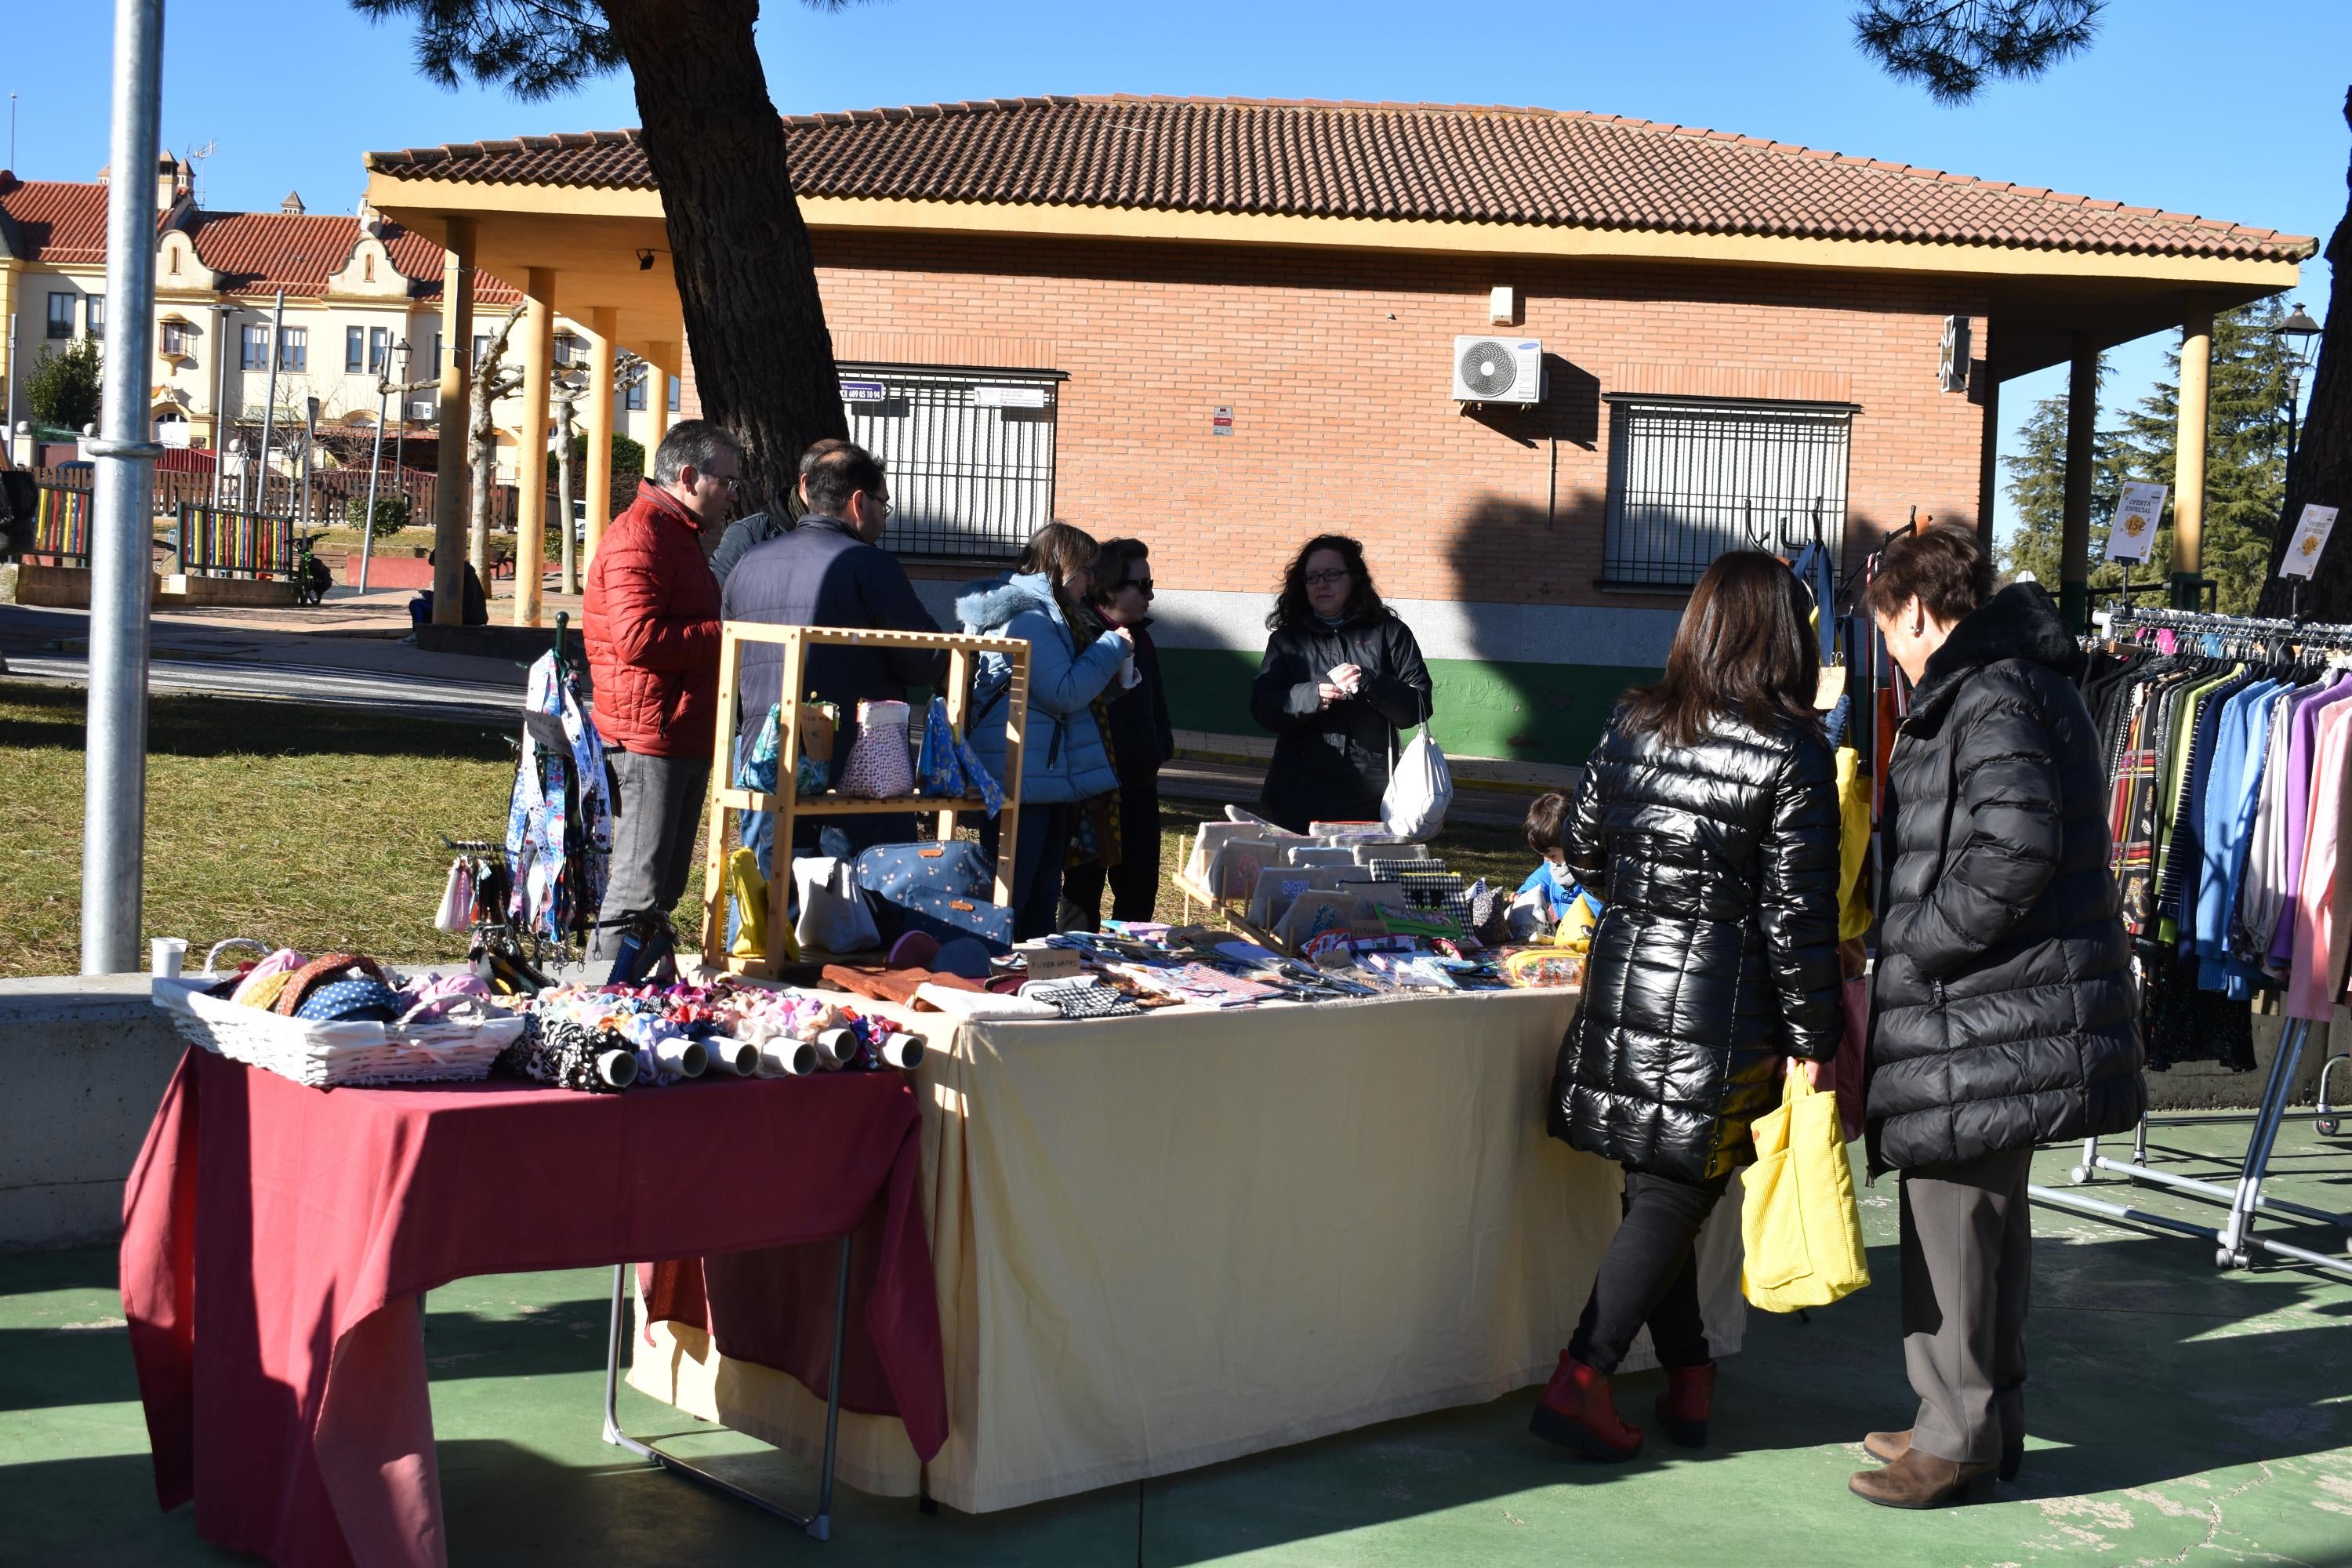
993,604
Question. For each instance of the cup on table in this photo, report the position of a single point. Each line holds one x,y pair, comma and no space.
165,954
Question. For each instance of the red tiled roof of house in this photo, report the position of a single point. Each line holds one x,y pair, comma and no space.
56,220
1413,161
258,253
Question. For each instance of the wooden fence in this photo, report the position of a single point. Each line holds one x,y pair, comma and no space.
337,495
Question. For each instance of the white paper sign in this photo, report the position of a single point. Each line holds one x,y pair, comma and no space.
1009,396
2132,535
2311,531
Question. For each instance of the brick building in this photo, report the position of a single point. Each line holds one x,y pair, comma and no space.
1224,326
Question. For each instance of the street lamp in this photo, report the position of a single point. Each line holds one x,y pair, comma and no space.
2295,334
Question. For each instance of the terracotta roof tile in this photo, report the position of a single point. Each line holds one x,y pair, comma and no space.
1381,160
56,220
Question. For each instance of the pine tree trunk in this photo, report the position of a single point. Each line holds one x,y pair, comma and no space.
2322,470
745,277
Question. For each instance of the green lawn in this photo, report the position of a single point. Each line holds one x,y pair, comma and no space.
320,827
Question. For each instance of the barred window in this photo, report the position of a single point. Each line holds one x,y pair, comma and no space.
969,453
1690,478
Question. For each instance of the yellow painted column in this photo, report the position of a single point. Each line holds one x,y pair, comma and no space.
603,323
9,404
530,450
662,357
2189,465
449,512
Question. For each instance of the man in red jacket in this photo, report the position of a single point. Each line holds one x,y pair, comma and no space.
651,622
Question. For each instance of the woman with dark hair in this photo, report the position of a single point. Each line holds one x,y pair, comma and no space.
1072,660
1141,742
2003,1011
1708,824
1342,675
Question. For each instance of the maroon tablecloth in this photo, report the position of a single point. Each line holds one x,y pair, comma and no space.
276,1239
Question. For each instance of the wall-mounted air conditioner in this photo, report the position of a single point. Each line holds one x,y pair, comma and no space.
1497,370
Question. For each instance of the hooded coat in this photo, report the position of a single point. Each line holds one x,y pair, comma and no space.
2003,1011
1716,954
1062,757
1331,764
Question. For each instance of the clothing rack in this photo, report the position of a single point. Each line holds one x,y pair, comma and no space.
2234,1241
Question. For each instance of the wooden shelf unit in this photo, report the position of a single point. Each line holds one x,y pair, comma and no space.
788,806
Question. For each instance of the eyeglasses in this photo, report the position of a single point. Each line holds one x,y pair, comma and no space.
1140,584
883,502
732,481
1324,579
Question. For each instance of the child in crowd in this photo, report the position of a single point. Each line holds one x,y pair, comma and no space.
1550,892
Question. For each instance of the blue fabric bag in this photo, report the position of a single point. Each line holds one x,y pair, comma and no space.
941,888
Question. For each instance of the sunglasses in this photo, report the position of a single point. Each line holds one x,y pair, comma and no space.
1142,586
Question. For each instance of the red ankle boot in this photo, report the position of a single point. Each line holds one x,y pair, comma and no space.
1683,1407
1577,1413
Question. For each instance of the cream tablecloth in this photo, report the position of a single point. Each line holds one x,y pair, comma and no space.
1167,1241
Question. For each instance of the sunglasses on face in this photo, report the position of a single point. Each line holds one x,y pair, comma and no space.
1140,584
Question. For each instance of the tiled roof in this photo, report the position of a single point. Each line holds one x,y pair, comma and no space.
56,220
1427,162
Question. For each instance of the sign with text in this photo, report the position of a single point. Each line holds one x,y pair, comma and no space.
2132,535
1009,396
2311,531
1221,420
863,391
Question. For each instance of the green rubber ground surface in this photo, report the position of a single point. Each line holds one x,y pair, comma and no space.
2179,1415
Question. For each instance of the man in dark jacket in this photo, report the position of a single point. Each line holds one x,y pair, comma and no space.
2003,1009
829,571
747,533
650,620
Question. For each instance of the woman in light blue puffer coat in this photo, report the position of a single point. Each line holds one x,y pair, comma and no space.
1073,659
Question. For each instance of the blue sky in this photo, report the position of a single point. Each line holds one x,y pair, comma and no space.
2227,111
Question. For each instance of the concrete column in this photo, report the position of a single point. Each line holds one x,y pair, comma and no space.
603,323
538,325
449,514
662,357
2074,527
2189,467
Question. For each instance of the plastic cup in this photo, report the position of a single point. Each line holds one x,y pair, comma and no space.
165,955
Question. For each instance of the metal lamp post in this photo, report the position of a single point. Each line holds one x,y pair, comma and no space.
2296,332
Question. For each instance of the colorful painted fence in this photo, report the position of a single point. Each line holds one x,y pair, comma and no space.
61,524
215,539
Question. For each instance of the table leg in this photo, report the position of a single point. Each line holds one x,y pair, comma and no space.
821,1524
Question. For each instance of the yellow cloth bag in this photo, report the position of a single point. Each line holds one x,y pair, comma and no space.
1798,1219
749,891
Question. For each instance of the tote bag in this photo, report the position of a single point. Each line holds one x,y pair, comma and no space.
1798,1221
1421,789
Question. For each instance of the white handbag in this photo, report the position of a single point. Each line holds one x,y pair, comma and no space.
1421,789
833,916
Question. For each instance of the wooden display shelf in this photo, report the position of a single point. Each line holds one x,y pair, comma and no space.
787,806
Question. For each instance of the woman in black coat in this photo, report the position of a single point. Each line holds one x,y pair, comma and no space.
1341,676
1708,824
2003,1009
1141,741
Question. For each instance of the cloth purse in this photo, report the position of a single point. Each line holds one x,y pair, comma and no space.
1421,789
1797,1223
941,889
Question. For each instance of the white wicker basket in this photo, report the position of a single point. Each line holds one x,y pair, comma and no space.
326,1055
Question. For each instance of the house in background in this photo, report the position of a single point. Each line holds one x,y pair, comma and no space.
1226,325
357,288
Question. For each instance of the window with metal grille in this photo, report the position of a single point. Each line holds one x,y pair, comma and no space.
969,453
1691,478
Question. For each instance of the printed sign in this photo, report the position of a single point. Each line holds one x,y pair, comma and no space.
2132,535
1009,396
2311,531
864,392
1220,422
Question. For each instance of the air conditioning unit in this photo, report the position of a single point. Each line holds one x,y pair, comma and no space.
1497,370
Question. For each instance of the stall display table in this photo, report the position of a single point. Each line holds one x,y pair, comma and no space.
1167,1241
277,1240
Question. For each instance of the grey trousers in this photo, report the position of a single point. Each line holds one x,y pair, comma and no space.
656,807
1968,1268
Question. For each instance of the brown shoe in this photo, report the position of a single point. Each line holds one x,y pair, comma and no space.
1888,1447
1920,1480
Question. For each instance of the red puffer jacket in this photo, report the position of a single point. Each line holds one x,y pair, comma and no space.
652,629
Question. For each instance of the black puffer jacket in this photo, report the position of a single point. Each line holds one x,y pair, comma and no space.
1717,954
1331,764
2003,1010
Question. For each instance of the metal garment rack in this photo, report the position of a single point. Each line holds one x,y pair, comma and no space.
818,1525
2234,1241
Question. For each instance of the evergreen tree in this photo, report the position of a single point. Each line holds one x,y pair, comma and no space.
2037,486
2246,446
64,386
